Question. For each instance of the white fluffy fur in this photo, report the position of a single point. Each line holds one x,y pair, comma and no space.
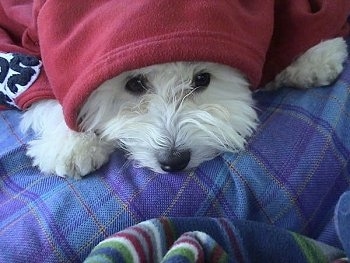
170,115
319,66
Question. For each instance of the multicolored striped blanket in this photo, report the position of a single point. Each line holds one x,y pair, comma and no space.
196,240
291,176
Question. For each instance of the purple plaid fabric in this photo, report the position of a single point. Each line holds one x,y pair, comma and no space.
291,175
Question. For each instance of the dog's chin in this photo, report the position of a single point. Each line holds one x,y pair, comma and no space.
171,128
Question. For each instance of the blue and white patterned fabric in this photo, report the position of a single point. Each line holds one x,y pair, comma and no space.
17,73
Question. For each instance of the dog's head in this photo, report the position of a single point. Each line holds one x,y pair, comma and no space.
173,116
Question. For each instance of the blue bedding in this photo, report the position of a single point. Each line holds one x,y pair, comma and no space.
291,176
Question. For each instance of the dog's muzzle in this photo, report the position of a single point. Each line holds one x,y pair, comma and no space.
175,160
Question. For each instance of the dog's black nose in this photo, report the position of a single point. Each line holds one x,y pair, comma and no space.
175,160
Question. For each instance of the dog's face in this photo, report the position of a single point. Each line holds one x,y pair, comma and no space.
173,116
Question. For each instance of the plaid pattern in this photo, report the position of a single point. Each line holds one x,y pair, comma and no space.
291,175
342,221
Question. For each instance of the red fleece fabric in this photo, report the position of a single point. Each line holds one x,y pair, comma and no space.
82,43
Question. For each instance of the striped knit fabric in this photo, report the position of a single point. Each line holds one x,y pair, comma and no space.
166,240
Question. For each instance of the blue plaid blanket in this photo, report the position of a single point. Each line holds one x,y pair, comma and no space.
291,176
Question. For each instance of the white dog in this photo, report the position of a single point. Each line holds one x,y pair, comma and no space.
168,117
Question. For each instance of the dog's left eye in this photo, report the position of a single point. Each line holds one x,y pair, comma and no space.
201,80
137,85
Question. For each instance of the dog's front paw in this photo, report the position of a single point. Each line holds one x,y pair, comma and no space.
319,66
72,155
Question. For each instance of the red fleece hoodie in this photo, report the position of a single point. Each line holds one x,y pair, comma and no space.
82,43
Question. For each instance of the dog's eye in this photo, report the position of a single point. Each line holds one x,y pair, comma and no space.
201,80
137,85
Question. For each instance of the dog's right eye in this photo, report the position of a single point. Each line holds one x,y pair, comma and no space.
137,85
201,81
